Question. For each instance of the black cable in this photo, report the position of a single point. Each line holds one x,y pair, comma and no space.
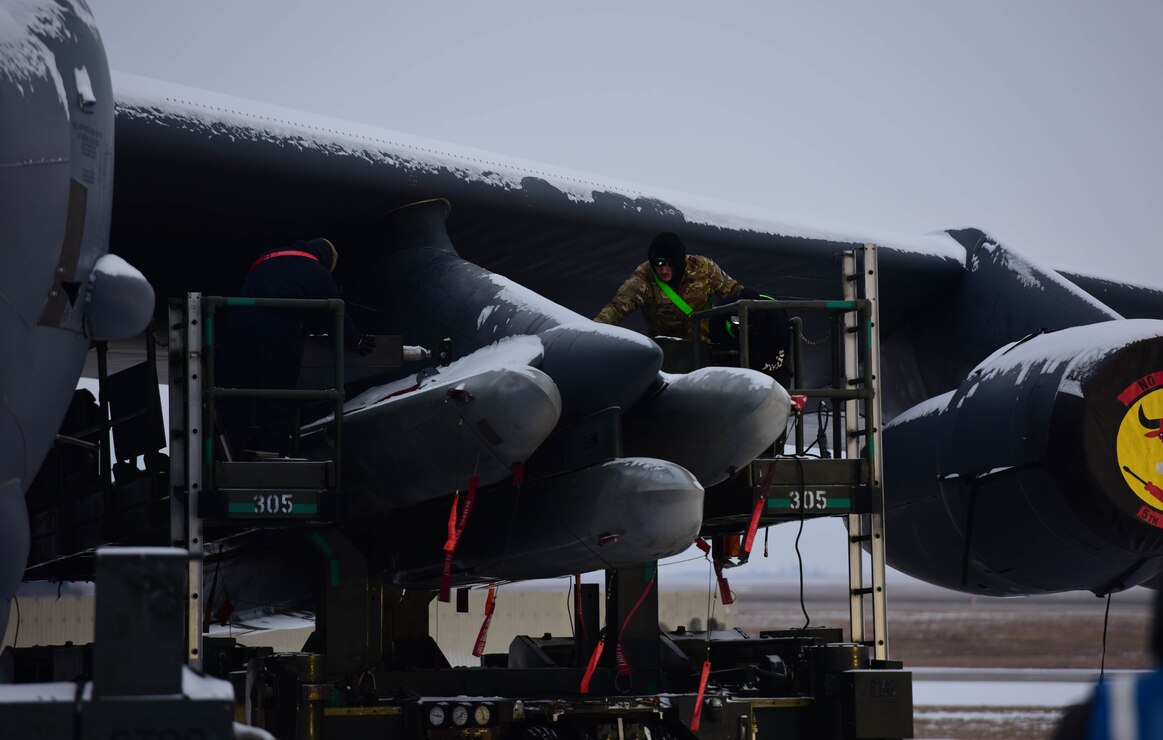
711,616
799,556
823,420
969,530
1105,622
710,583
571,604
16,635
680,562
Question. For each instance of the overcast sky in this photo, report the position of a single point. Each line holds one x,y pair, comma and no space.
1037,121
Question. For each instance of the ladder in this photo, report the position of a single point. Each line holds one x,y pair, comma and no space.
860,276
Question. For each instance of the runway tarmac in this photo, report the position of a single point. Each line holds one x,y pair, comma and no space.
982,667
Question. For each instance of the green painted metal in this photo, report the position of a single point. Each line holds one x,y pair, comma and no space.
323,545
833,504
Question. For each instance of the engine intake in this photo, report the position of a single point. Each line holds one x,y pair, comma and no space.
1042,472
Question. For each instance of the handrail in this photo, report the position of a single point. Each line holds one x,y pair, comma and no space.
211,305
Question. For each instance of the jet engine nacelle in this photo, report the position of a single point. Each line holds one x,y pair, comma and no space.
1042,472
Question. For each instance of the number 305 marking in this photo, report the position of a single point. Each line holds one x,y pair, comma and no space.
811,500
273,504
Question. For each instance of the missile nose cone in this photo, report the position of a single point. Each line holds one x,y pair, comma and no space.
738,413
597,366
662,505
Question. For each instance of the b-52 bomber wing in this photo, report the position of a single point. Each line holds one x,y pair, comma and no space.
1025,452
194,161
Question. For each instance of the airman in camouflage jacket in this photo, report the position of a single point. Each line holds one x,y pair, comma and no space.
703,278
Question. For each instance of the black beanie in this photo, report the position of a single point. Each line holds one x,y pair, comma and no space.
668,245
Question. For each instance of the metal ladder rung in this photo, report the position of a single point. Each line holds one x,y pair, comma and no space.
867,529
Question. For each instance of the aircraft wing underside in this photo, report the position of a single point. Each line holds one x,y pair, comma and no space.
211,180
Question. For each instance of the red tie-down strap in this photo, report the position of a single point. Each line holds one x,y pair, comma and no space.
724,587
698,713
450,543
455,532
592,665
725,594
757,510
623,664
490,604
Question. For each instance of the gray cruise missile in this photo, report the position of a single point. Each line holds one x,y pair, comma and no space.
713,421
408,442
612,514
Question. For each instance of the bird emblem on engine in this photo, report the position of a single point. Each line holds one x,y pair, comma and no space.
1139,445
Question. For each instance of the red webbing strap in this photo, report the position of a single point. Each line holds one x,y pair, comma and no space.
757,510
450,543
592,665
518,475
282,253
490,604
624,667
753,525
454,537
698,714
724,588
621,662
469,498
399,392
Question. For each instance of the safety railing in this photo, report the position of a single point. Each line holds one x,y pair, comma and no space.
809,487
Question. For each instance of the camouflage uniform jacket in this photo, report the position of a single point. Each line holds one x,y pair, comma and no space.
702,279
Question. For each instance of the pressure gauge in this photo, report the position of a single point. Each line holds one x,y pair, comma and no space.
460,715
436,715
482,715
